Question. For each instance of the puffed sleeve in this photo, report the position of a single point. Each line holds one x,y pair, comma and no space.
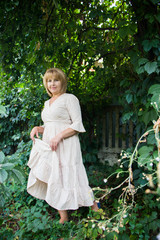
74,111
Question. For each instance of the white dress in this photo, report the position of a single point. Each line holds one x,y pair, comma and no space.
59,177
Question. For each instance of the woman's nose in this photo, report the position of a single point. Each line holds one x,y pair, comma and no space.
52,82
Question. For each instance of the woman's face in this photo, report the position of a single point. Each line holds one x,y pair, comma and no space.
54,85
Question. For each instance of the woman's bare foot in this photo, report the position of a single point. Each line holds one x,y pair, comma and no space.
95,207
63,216
62,221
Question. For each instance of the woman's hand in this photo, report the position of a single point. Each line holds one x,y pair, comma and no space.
33,133
55,141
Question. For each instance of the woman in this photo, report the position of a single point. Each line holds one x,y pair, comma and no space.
57,172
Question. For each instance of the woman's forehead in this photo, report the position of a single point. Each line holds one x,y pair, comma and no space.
52,76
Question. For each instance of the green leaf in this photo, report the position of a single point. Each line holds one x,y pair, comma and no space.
155,99
77,11
2,110
112,235
155,43
16,3
129,97
144,159
127,116
8,166
151,140
142,61
154,89
18,176
155,154
95,233
2,200
100,230
41,226
149,116
147,45
3,175
2,157
145,150
37,214
140,70
158,191
150,67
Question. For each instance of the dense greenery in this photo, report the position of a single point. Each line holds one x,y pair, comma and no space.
110,51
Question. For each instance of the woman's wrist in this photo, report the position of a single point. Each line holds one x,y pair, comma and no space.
39,129
61,136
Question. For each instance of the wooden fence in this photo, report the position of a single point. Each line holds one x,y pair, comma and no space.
116,135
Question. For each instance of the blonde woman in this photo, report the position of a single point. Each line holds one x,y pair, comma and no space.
57,172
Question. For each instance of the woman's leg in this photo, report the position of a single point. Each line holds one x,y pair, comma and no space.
94,207
63,216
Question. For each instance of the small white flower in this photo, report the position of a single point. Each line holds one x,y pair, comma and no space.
93,225
105,180
158,159
103,227
151,164
125,215
158,236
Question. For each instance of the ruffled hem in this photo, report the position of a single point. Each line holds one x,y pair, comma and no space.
45,180
77,127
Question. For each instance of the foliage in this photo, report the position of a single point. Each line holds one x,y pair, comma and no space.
9,171
102,46
110,53
25,217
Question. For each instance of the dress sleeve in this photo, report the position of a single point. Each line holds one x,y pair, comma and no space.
74,111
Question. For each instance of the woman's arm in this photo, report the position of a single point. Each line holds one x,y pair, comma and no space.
35,131
59,137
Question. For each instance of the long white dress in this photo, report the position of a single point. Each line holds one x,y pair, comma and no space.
59,177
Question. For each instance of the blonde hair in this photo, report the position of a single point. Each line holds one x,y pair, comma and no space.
59,74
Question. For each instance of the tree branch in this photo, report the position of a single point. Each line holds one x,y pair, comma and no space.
46,33
74,58
107,28
100,29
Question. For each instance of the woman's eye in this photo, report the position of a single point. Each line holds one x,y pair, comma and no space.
54,80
